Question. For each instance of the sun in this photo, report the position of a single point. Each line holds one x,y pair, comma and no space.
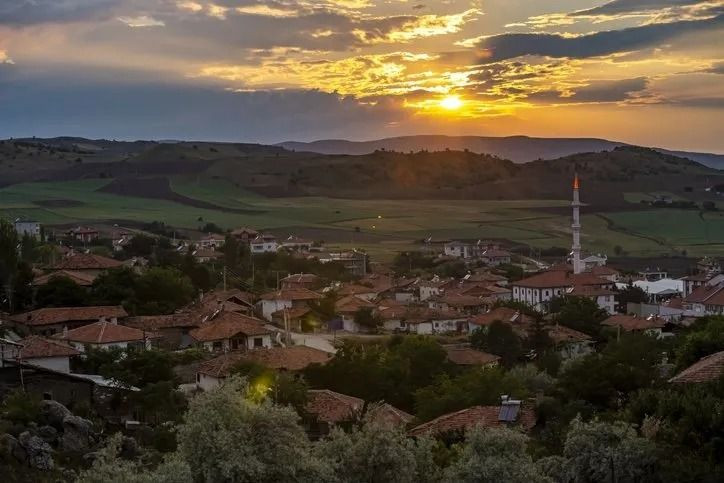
451,103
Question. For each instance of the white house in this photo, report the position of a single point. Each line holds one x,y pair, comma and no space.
211,241
460,249
495,256
27,227
708,299
229,331
47,353
539,289
264,244
106,335
285,299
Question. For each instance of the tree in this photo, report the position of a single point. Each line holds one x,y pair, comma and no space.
61,291
605,380
374,453
247,441
630,294
140,245
494,455
110,467
579,313
161,291
603,452
365,317
8,259
114,287
706,337
231,251
159,402
500,339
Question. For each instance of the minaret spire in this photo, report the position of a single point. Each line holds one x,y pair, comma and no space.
576,226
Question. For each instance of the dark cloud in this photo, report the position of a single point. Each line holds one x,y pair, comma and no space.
716,68
616,7
69,105
594,92
28,12
509,45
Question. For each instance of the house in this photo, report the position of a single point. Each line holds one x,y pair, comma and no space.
465,304
436,286
594,260
661,289
50,320
486,278
83,234
229,331
233,300
569,343
285,299
348,307
326,409
365,292
27,227
707,369
631,323
107,335
458,249
509,413
707,299
308,281
173,330
264,244
84,279
86,262
502,314
212,373
207,255
245,234
469,357
355,261
298,244
297,319
495,256
435,322
45,352
538,290
605,298
606,272
211,241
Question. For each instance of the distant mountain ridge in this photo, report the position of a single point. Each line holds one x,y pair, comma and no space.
519,149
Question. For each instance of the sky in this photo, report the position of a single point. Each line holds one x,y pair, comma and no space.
648,72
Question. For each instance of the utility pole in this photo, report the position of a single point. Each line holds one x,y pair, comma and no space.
224,276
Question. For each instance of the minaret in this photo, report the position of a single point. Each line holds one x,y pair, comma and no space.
576,226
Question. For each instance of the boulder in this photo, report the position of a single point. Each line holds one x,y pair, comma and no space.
78,435
129,448
10,447
47,433
39,453
53,413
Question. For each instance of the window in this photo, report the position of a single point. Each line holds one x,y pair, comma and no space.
258,342
48,396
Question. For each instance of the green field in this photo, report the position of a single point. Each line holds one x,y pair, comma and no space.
382,226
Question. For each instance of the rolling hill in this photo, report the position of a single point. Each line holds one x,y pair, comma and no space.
519,149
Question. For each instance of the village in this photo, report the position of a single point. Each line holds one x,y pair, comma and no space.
118,339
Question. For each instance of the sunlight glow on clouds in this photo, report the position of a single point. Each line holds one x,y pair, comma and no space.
456,66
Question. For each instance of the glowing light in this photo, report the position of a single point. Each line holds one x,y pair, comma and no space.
451,103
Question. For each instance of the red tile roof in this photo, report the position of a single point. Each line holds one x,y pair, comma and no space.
158,322
58,315
291,313
707,294
604,271
388,415
105,333
632,322
706,369
560,279
291,294
561,334
485,416
36,347
460,301
332,407
227,325
81,278
503,314
465,356
87,261
301,278
351,304
294,358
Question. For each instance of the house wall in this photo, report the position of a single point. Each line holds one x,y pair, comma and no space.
427,292
61,364
266,247
537,297
607,303
268,307
82,347
206,382
258,341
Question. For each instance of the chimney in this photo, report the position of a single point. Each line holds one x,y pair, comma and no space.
65,331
